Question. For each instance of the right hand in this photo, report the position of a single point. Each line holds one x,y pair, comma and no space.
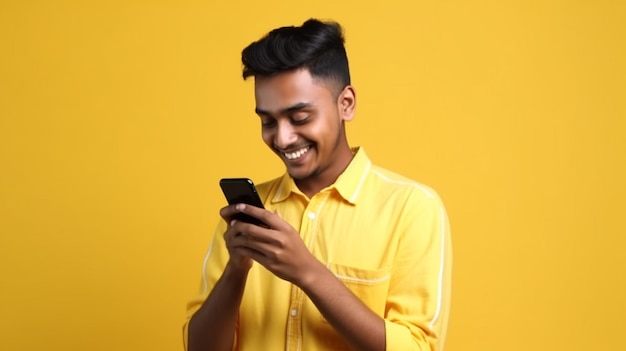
238,259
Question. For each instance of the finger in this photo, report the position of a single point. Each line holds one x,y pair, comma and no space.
230,233
228,212
260,252
265,216
253,231
253,248
250,253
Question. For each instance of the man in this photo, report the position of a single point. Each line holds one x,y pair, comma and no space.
352,257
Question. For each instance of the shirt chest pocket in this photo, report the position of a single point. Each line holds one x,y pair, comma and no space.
371,286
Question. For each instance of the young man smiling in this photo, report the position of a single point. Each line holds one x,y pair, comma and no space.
352,257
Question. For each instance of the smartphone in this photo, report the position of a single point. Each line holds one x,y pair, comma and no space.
242,190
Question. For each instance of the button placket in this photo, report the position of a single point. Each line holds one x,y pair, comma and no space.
308,227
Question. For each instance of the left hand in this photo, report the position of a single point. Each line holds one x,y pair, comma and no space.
278,248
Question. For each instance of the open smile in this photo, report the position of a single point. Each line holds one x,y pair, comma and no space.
297,153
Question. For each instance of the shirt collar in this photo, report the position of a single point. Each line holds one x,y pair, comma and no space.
347,185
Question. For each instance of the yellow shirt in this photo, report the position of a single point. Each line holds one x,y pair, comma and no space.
384,236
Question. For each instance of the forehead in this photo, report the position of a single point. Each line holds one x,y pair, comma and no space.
289,88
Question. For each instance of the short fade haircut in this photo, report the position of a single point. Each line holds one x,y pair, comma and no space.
316,46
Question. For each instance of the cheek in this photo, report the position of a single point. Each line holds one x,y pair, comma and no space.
326,131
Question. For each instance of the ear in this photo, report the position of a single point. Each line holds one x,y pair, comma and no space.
346,103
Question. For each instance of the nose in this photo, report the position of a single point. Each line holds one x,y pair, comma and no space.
285,135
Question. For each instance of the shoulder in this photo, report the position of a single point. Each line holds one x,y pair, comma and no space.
418,205
409,197
385,180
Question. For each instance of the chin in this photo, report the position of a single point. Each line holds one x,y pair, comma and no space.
302,175
298,175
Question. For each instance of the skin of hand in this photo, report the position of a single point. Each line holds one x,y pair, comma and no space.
278,247
238,257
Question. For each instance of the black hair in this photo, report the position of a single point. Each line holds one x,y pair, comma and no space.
317,46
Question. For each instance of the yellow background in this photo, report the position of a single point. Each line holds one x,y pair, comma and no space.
119,117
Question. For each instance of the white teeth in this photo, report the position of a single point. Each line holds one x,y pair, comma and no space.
297,153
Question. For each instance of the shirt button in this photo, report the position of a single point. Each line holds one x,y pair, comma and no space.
311,215
294,312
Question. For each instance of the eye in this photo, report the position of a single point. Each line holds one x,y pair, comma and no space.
267,122
300,118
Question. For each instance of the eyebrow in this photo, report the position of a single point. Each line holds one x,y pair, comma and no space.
297,107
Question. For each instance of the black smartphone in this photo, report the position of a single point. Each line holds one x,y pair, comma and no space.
242,190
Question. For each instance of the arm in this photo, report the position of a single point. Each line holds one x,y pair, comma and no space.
419,293
212,326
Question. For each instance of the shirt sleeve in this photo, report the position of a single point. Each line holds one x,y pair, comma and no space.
418,302
212,268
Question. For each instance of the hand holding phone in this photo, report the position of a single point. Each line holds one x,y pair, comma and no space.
242,191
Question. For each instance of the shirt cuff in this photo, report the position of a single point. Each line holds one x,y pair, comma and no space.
399,338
